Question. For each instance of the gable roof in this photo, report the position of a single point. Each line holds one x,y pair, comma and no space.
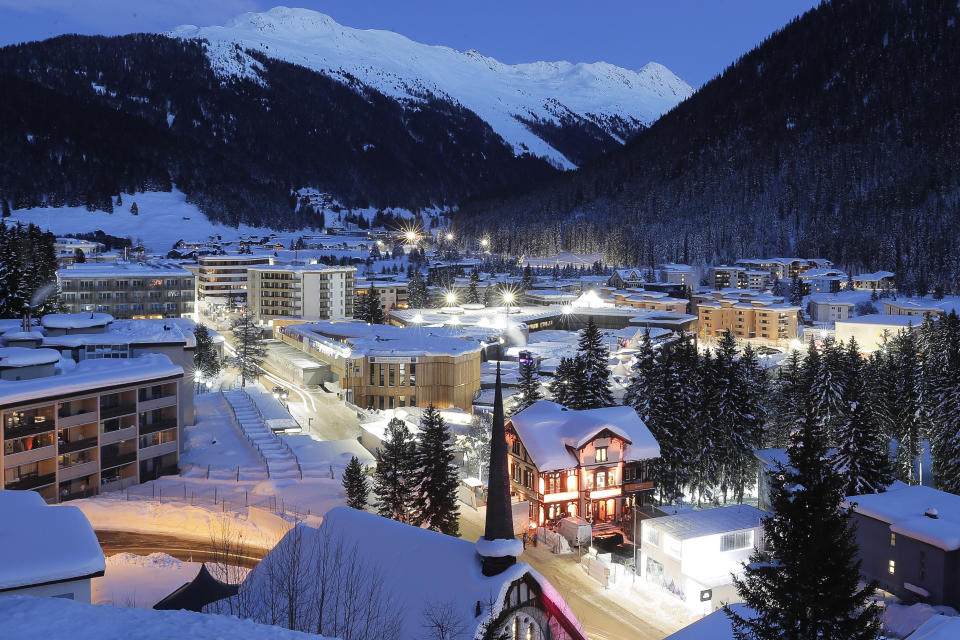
418,568
547,429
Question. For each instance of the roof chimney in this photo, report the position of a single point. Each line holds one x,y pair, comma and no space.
498,547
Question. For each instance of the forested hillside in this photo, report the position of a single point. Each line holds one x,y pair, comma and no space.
85,118
839,136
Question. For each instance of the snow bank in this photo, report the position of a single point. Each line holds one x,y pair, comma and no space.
141,581
28,618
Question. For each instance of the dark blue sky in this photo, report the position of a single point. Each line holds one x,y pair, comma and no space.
695,38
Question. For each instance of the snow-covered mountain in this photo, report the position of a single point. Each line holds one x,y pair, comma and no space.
526,104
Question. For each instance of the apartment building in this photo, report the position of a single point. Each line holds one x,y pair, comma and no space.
101,425
387,367
878,280
222,280
822,280
747,316
828,308
393,293
740,277
128,289
650,300
784,268
920,307
300,291
595,463
674,273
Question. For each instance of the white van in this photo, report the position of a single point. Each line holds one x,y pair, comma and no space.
576,530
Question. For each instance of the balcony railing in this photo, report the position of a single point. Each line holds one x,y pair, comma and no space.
77,445
118,460
32,482
161,425
119,410
11,433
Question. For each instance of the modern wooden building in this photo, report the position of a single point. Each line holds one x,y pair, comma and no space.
386,367
594,463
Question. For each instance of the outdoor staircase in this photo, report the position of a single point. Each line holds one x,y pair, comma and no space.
281,462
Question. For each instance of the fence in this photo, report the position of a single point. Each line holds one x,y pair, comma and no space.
213,498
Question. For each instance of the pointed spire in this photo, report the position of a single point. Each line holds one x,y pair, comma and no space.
499,524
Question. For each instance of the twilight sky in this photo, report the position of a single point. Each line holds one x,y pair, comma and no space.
696,39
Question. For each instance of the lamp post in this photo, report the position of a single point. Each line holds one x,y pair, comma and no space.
451,299
508,298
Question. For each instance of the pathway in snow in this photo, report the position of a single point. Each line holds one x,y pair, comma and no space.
279,459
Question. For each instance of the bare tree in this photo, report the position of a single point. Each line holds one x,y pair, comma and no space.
442,622
229,553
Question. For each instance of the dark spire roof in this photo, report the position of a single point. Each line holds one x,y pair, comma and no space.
197,593
499,524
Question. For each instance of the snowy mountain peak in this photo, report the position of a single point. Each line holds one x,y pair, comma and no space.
515,100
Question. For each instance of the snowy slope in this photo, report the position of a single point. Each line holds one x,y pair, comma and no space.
553,92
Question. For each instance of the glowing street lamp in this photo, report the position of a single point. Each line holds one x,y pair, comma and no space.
411,236
449,236
508,299
485,243
451,299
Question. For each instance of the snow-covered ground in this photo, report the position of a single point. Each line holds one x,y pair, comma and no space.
164,218
141,581
214,440
599,93
26,618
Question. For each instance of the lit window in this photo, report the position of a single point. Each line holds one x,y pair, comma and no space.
734,541
601,454
893,539
892,567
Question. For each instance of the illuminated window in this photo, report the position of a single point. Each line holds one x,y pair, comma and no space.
734,541
530,632
601,454
892,567
893,539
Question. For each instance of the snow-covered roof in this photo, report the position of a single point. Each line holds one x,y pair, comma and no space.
30,618
41,543
124,270
89,375
716,626
362,339
831,298
883,319
75,320
418,567
708,522
904,508
145,331
547,429
938,627
876,275
11,357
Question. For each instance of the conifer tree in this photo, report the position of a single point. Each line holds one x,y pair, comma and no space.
827,387
596,374
528,388
370,308
6,207
248,344
205,361
355,484
394,479
473,292
785,398
862,457
417,291
134,209
561,387
526,283
436,476
907,404
805,585
945,396
638,390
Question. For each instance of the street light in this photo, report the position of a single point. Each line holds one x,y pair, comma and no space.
508,299
485,243
449,236
410,236
451,299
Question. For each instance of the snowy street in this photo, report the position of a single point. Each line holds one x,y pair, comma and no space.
614,614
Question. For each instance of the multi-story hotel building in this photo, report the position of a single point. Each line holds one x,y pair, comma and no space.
222,280
651,300
746,316
594,463
97,426
392,293
313,291
386,367
128,289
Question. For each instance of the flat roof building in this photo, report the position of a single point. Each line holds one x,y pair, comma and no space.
128,289
222,280
300,291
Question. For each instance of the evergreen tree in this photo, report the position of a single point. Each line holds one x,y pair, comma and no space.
436,476
796,292
528,389
355,484
394,479
907,409
561,385
79,256
638,390
369,308
489,295
526,283
248,344
862,457
805,586
828,385
205,361
134,209
417,291
6,207
785,398
596,375
945,396
473,293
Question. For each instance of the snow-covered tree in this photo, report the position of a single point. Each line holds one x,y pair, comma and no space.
473,291
528,388
248,344
596,374
417,291
638,390
436,476
394,479
806,584
355,484
205,361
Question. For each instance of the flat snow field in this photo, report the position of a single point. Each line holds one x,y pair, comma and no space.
141,581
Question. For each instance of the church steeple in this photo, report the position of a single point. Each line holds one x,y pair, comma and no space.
498,547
